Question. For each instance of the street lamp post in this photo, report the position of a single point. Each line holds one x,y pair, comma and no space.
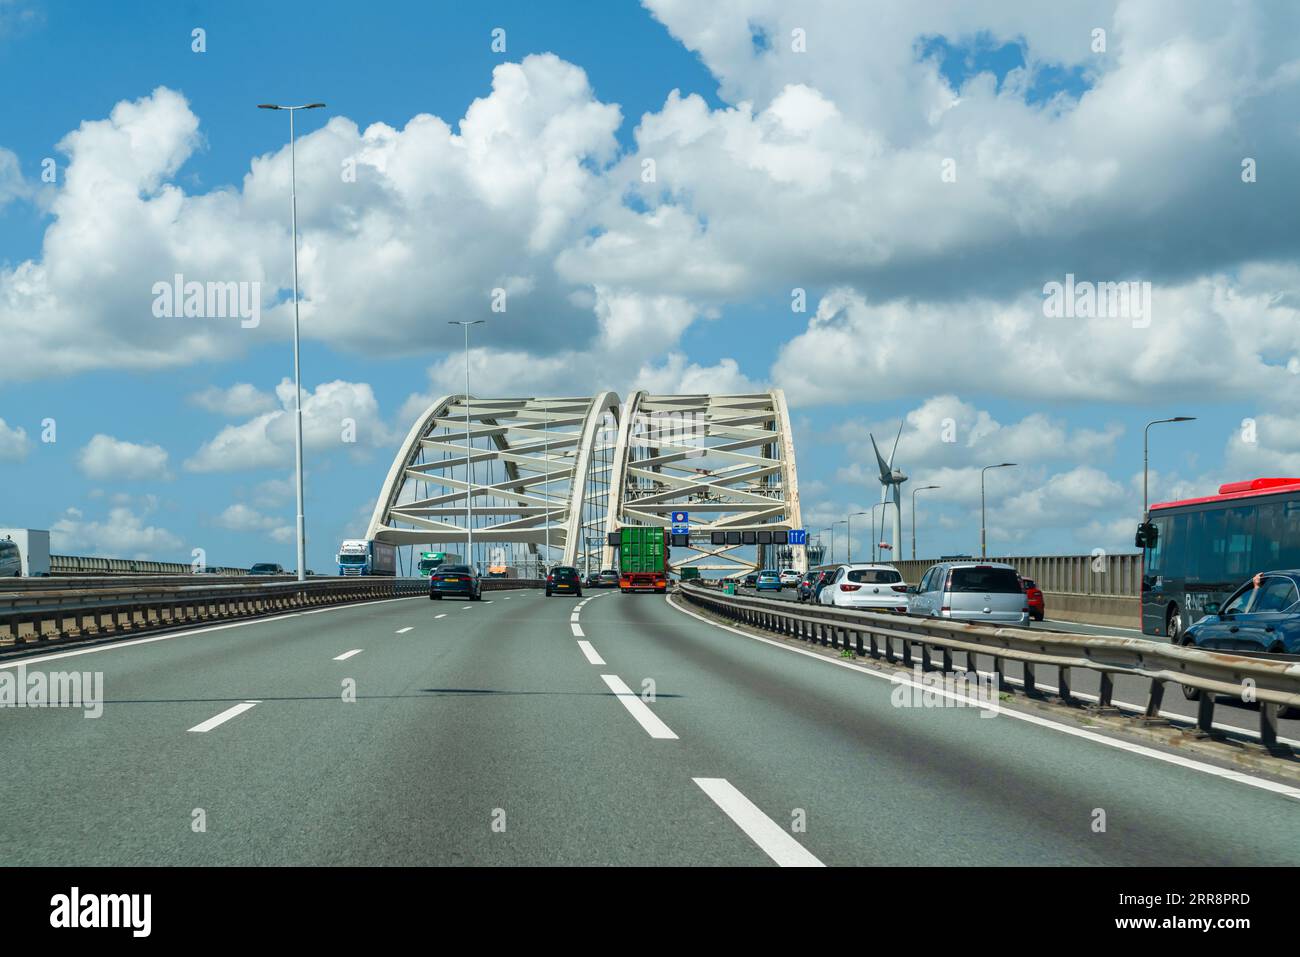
297,377
469,449
1146,455
851,517
983,535
833,524
875,538
914,491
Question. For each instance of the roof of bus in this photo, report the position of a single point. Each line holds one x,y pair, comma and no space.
1236,490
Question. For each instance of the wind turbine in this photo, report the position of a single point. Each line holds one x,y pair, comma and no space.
891,478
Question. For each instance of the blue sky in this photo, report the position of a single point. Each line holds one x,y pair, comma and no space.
1063,159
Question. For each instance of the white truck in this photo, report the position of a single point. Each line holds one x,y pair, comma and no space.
363,556
25,552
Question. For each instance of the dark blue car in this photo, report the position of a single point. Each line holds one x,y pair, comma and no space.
454,581
1262,615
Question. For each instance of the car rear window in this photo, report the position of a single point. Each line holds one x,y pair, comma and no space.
565,573
874,576
1030,583
454,570
985,579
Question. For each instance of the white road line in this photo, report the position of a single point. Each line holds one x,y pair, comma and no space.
222,718
1237,776
443,615
507,598
347,654
590,652
762,830
577,630
638,709
463,607
133,642
573,617
402,631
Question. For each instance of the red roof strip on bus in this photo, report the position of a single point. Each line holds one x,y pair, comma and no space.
1235,490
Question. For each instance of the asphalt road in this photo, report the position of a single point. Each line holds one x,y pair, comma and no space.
492,735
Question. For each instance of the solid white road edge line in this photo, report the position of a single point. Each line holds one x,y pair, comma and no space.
1230,775
133,642
762,830
347,654
590,652
222,718
638,709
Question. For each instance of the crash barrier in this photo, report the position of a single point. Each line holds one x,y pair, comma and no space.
1272,681
47,615
83,565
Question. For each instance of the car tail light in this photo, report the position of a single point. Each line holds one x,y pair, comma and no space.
945,608
550,578
902,588
849,587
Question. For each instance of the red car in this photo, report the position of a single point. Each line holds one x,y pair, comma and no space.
1033,598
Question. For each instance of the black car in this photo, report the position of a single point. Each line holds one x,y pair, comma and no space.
563,579
266,568
751,579
455,580
807,584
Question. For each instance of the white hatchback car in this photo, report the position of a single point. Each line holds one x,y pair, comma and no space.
789,577
873,587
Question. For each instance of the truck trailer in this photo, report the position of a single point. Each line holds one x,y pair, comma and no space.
642,559
362,556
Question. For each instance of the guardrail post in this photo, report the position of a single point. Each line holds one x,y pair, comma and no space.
857,644
1000,671
1063,686
1154,700
1031,688
875,648
1105,690
1205,713
947,660
1268,727
907,653
925,656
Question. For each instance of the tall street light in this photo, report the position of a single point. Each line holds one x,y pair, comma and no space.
469,449
851,517
833,524
875,539
983,536
1146,455
297,377
914,491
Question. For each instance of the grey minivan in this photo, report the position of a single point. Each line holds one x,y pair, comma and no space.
970,591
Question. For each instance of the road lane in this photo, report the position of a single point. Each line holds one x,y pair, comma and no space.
921,785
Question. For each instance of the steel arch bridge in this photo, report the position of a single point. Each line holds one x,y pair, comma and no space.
562,473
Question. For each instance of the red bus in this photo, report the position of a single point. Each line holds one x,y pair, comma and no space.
1198,551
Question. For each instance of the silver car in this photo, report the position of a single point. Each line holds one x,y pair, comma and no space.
970,591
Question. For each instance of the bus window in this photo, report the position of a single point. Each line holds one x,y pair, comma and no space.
1154,561
1238,541
1277,536
1174,552
1205,557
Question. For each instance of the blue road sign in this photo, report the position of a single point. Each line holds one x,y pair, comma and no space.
681,523
798,536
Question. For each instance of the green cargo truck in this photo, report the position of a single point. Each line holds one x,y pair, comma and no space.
642,559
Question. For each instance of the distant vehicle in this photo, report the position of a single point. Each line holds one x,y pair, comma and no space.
11,560
824,575
804,590
1196,550
790,577
608,578
769,579
361,556
873,586
433,560
563,579
267,568
970,591
751,580
642,559
502,571
32,552
690,573
455,580
1034,595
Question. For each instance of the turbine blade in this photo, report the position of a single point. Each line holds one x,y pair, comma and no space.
896,438
884,469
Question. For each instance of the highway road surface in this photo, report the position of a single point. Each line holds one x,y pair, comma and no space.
514,731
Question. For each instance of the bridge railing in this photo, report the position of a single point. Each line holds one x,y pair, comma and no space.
89,565
1107,575
74,613
1272,681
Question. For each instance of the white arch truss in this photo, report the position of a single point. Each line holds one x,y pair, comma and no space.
530,472
727,460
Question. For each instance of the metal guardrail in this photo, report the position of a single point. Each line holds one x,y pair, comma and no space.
69,614
84,565
1118,575
1274,682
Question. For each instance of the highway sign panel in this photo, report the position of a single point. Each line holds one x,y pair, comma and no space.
681,523
798,536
